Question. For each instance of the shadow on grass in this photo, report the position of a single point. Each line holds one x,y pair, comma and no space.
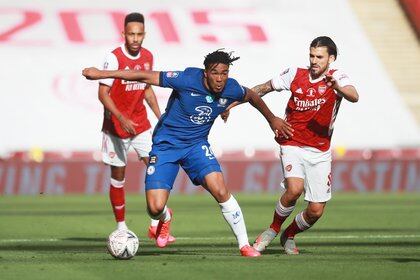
405,260
367,231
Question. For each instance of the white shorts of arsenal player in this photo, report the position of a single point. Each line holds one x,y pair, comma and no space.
115,149
313,166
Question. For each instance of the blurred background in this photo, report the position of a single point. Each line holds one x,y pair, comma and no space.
51,118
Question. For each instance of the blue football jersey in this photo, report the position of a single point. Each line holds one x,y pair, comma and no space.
191,108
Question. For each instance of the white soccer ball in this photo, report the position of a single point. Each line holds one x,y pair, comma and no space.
123,244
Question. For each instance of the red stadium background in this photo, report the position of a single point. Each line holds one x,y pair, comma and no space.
63,173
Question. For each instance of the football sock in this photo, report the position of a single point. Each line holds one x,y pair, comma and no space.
233,216
298,225
121,225
280,215
117,197
154,223
164,216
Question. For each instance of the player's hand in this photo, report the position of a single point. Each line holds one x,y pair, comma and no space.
331,82
92,73
128,125
281,128
225,115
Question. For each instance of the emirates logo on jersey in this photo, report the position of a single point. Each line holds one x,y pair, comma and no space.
309,104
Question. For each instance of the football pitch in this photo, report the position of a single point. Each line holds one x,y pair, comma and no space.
361,236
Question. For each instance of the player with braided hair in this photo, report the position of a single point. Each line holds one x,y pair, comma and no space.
199,96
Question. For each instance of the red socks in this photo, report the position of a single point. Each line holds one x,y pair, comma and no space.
117,197
280,215
298,225
277,222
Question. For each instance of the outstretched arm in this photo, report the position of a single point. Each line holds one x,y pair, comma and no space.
149,77
261,90
278,125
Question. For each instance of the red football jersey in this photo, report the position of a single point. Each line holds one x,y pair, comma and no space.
312,107
128,96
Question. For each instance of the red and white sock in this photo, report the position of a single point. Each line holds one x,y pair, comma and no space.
154,223
298,225
280,215
117,197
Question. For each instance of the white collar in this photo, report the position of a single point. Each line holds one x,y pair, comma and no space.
317,79
125,52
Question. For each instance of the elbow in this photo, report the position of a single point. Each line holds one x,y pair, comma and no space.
355,98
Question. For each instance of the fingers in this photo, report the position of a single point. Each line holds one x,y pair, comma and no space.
91,73
130,129
287,132
329,80
283,129
225,116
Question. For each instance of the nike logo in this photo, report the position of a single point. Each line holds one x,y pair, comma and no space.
299,90
237,221
195,94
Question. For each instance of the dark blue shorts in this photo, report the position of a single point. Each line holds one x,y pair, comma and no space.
197,161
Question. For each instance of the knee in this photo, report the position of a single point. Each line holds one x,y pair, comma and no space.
293,194
221,194
315,212
155,209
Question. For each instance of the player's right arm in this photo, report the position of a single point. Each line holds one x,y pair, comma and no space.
103,96
148,77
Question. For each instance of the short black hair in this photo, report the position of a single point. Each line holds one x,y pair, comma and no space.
133,17
325,41
219,56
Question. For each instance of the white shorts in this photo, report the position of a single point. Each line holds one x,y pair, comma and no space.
115,149
313,166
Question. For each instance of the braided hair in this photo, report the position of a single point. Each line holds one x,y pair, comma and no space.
219,56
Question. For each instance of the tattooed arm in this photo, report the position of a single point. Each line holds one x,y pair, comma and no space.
261,90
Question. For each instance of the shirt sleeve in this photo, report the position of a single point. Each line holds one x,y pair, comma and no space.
110,63
241,92
342,79
172,79
284,80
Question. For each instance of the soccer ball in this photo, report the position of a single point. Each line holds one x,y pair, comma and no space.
123,244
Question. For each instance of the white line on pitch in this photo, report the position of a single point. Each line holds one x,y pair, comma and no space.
29,240
232,238
318,237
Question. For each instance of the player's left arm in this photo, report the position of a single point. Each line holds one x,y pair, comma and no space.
150,97
261,90
342,85
278,125
148,77
348,92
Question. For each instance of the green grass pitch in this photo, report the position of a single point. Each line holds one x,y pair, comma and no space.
361,236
